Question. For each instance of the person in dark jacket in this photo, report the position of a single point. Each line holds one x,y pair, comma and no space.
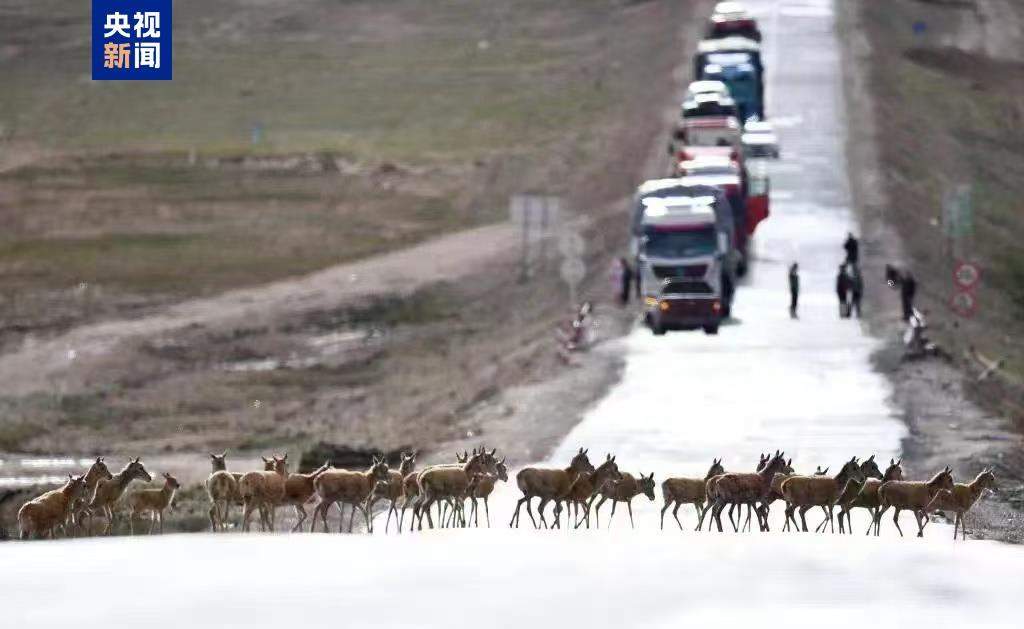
852,247
626,279
843,291
904,280
856,283
794,289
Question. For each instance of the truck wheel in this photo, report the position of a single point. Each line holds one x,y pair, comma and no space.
656,328
711,329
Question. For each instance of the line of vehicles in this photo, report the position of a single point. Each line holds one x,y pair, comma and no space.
690,232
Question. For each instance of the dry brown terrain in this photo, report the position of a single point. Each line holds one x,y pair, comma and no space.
953,94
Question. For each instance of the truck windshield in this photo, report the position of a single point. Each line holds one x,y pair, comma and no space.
662,243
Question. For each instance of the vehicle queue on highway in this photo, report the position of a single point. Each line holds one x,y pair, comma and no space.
690,232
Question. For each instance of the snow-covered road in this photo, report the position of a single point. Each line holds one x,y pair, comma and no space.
765,382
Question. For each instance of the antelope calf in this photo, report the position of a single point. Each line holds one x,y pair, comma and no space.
263,490
43,514
961,499
109,491
548,484
624,490
347,487
392,489
152,501
693,491
912,495
481,487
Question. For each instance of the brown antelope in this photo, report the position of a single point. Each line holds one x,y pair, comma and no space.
299,489
806,492
623,490
347,487
584,488
80,509
109,491
548,484
693,491
222,488
912,495
960,500
848,494
481,487
868,496
392,490
411,487
748,489
263,490
152,501
451,483
712,494
43,514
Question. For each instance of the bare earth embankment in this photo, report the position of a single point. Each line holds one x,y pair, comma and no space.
928,111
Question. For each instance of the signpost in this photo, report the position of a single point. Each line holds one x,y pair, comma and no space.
535,214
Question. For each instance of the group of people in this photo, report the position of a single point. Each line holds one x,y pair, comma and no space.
850,284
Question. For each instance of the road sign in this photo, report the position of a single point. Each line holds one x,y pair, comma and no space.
571,244
958,212
964,304
966,275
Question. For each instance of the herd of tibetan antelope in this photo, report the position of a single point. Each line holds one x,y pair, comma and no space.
576,492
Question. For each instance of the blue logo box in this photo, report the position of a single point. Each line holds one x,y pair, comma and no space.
131,40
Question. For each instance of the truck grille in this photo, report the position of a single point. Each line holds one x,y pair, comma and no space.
680,287
686,270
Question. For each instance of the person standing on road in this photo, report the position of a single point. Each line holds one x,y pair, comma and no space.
794,289
856,289
852,247
904,280
625,280
843,291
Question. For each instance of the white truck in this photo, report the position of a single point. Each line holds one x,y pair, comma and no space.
686,263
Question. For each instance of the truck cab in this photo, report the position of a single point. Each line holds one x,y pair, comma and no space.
735,61
685,262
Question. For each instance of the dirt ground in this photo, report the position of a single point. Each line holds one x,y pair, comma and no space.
953,419
467,345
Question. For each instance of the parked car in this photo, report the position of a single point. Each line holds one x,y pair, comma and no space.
759,140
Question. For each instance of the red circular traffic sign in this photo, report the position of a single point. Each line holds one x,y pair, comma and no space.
966,275
964,303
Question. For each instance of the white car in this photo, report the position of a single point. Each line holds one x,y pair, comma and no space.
759,140
700,88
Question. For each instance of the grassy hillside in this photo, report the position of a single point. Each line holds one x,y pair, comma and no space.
380,123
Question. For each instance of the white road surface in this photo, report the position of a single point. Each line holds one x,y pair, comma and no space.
765,382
